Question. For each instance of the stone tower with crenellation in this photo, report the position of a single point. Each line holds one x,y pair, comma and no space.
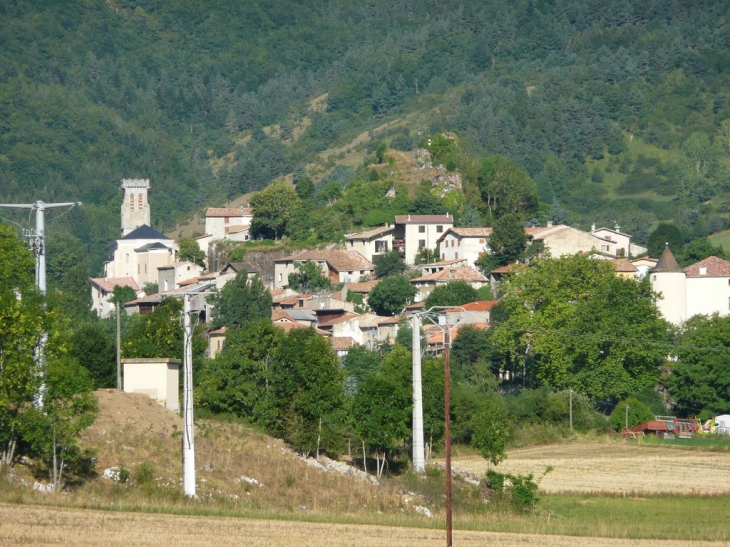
135,207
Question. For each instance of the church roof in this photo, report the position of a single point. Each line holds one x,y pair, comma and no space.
667,263
145,232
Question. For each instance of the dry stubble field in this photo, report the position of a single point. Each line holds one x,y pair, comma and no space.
616,467
41,526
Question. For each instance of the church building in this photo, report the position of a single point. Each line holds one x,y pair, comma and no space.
136,256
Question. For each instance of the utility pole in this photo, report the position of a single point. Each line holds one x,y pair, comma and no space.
188,440
419,460
119,348
37,240
627,417
447,433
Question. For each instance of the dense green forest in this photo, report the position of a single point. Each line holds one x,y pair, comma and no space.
613,108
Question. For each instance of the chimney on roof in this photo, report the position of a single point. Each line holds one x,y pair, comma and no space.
593,227
409,216
452,273
549,223
618,228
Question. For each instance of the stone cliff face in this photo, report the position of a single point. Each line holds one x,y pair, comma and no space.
263,263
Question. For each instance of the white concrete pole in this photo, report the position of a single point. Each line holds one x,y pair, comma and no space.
419,464
40,232
188,441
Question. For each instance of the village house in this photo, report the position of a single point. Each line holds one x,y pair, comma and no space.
624,268
170,275
216,338
427,283
337,265
361,288
371,243
471,313
228,223
101,291
464,243
414,232
562,240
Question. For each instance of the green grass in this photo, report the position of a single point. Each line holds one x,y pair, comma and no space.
708,443
722,239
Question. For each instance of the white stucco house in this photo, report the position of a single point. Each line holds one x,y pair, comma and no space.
700,289
464,244
371,243
101,291
414,232
425,284
228,223
170,275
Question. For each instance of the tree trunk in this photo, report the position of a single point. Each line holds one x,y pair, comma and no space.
364,458
319,436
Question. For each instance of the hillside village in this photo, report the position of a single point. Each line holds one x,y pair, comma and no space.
143,256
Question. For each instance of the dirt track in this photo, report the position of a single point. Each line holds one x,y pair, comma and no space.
33,525
616,468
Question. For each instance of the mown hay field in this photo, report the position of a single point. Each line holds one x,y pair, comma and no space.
35,526
619,467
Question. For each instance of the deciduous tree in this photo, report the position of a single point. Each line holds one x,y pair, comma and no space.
241,300
273,208
391,295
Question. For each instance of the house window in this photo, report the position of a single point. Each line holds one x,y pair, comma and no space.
458,243
481,241
439,229
456,256
131,202
280,277
443,256
139,202
654,278
604,248
421,243
421,229
226,220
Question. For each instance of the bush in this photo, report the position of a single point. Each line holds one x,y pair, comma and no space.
638,414
519,490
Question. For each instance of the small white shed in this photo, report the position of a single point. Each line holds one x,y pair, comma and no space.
722,424
158,378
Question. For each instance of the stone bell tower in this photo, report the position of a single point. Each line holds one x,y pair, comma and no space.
135,207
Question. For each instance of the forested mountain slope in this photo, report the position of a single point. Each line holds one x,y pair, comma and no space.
180,92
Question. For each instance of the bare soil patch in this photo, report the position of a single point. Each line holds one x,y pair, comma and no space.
615,468
34,525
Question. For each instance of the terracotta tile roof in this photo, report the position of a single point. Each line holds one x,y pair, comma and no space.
365,287
644,259
623,265
342,342
466,232
463,273
220,332
337,259
374,232
479,305
277,314
107,284
194,280
289,300
504,269
288,326
217,212
424,219
204,236
714,267
239,228
341,319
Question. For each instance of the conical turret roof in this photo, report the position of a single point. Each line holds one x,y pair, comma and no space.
667,263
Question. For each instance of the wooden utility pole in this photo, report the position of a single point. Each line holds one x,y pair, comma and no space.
447,433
